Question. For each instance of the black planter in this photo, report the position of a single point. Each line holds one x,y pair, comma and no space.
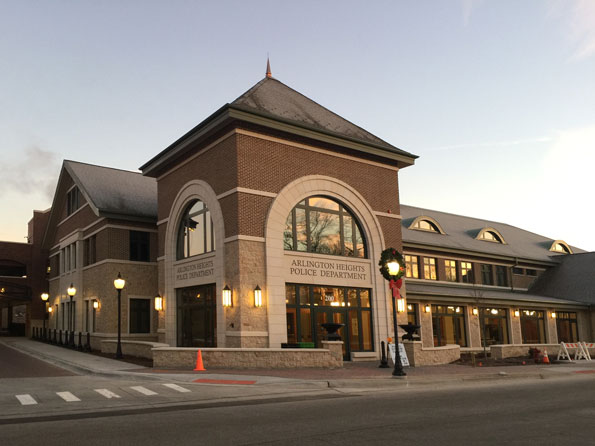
410,330
331,331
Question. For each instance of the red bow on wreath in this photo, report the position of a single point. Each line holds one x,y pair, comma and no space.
394,286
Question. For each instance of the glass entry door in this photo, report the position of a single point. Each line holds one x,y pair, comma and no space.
197,316
338,316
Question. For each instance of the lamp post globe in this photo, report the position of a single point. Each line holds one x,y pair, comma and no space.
119,284
71,293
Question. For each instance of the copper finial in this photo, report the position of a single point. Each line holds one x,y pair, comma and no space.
269,75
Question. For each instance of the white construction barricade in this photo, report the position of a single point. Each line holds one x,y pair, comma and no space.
580,350
586,347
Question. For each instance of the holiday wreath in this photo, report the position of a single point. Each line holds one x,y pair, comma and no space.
389,255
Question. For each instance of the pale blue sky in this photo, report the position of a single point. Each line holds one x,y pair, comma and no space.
496,97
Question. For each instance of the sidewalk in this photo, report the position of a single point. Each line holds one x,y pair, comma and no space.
353,374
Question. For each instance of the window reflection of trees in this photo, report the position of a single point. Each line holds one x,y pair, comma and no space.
324,226
195,234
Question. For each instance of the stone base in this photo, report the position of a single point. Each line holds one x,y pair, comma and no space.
419,355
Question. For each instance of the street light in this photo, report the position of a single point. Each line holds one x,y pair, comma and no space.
392,270
44,297
71,292
119,283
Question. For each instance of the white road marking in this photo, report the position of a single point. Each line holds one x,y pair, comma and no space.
176,387
67,396
26,399
107,393
143,390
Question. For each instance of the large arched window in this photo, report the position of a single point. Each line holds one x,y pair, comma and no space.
195,234
325,226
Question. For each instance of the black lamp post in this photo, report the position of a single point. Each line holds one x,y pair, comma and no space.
71,292
44,297
391,269
119,283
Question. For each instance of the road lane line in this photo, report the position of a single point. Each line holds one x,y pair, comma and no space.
107,393
143,390
67,396
178,388
26,399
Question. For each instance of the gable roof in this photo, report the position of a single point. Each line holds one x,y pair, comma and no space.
273,104
573,278
110,193
461,232
115,193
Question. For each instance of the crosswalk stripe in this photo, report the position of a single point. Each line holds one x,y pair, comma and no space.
26,399
143,390
107,393
67,396
176,387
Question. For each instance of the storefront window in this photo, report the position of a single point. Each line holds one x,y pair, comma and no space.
448,323
494,324
195,234
567,327
532,327
322,225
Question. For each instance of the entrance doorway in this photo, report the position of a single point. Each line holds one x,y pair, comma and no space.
197,316
310,306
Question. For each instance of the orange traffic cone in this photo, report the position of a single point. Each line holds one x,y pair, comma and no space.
546,358
199,366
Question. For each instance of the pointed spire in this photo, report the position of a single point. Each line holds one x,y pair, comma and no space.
268,74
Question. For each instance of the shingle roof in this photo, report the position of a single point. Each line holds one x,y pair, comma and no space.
275,99
573,278
460,233
115,192
435,291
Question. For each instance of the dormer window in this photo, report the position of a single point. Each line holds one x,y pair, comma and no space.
561,247
425,223
490,235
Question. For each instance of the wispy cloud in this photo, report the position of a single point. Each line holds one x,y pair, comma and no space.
508,143
578,19
468,6
35,173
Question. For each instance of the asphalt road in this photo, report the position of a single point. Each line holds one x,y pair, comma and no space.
14,364
553,411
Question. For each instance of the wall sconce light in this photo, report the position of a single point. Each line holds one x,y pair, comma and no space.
409,307
257,297
96,304
427,308
401,305
158,303
475,311
227,302
517,313
50,309
553,314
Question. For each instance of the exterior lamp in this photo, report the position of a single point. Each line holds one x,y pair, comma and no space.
475,311
119,284
96,304
227,302
50,309
553,315
401,305
71,292
257,297
45,297
517,313
494,311
427,308
391,269
158,303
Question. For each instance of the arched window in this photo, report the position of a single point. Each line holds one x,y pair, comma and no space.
561,247
424,223
195,234
325,226
490,235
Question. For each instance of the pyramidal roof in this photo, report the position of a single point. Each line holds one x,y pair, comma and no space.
274,98
272,103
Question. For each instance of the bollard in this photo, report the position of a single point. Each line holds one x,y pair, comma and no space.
60,337
72,343
383,360
88,345
80,346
